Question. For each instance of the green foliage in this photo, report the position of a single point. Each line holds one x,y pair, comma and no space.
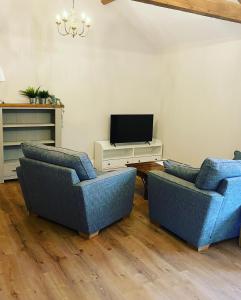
30,92
54,100
43,94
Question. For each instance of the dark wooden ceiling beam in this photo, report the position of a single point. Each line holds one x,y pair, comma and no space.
221,9
106,1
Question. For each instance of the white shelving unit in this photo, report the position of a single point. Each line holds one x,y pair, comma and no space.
109,157
26,123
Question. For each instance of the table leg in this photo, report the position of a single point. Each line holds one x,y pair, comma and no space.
145,183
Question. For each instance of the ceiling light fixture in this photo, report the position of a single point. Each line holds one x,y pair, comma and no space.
70,23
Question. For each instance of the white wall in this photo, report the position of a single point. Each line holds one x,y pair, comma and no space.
201,102
115,70
195,93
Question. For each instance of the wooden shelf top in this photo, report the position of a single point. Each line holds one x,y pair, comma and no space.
28,105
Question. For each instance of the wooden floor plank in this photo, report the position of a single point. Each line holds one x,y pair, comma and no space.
131,260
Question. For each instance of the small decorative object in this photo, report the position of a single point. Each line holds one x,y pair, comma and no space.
53,100
43,96
73,24
31,93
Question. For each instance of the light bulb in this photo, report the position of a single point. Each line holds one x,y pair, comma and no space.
83,17
58,19
65,16
88,21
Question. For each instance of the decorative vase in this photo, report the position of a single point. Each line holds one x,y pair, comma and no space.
42,100
32,100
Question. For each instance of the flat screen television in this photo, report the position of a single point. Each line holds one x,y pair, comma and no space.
131,128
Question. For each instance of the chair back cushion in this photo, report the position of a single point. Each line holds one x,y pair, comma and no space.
180,170
78,161
237,155
213,171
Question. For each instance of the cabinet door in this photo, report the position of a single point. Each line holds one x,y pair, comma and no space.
10,170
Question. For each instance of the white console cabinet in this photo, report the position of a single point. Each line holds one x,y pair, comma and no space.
110,157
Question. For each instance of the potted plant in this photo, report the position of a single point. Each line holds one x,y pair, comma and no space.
53,100
31,93
43,96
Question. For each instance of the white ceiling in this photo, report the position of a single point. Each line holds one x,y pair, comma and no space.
122,25
163,28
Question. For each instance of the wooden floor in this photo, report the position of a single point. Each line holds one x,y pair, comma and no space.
132,259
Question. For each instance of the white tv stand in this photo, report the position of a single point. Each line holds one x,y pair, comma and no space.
110,157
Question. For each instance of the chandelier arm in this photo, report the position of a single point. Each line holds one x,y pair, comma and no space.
85,32
82,30
67,31
61,33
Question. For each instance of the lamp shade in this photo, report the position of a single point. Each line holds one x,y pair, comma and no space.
2,77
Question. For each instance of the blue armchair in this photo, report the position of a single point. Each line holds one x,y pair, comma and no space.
62,186
201,213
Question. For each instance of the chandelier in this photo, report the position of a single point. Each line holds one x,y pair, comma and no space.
73,24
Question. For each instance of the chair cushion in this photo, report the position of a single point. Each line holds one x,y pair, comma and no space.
180,170
237,155
78,161
213,171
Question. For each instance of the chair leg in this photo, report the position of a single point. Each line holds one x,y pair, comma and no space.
127,216
29,213
203,248
88,236
155,223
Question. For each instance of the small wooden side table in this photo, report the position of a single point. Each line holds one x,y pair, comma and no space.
142,172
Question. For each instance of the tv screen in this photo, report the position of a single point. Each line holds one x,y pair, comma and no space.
131,128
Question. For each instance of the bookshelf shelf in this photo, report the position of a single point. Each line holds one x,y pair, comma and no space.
18,143
28,125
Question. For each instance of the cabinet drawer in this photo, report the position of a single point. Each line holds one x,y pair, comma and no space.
157,158
9,170
146,159
116,163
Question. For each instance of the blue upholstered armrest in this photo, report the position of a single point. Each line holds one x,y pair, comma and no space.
113,177
107,198
184,184
230,186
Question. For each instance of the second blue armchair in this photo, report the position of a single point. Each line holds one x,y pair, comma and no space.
201,213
